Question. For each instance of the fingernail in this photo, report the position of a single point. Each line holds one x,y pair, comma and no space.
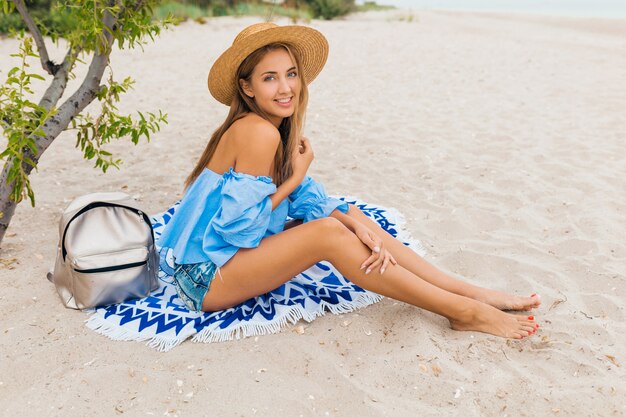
368,271
382,271
531,317
362,266
533,295
376,249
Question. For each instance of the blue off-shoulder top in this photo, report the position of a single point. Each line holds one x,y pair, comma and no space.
221,213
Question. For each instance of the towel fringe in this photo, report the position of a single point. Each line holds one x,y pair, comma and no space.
292,315
115,332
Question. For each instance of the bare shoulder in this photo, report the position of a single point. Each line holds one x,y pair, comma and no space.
253,130
256,141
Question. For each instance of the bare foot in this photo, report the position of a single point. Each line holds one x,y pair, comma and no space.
487,319
504,301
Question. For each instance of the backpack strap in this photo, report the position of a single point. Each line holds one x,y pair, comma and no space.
103,204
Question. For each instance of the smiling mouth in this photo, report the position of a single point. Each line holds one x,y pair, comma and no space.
284,100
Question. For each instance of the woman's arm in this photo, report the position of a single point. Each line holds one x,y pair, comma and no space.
310,202
255,156
284,189
380,256
349,222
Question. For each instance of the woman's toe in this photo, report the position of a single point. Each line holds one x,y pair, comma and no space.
535,300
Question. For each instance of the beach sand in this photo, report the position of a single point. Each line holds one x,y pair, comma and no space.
501,138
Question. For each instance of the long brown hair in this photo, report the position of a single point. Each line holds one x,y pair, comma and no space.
290,129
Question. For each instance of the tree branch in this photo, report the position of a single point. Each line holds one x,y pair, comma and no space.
57,87
48,66
84,94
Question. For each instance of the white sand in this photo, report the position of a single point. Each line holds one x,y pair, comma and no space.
502,140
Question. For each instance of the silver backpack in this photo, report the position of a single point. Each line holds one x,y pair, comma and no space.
106,252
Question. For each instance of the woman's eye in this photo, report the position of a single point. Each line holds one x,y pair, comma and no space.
291,74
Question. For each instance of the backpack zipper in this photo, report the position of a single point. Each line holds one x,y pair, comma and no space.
75,258
111,268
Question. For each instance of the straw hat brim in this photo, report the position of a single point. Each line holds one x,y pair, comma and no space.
309,44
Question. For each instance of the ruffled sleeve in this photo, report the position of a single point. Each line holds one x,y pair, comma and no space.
309,201
244,214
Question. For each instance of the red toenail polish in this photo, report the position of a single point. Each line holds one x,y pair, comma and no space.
531,317
537,325
534,295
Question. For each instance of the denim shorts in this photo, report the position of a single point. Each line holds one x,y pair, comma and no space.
192,282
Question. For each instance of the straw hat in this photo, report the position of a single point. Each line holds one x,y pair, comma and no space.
309,44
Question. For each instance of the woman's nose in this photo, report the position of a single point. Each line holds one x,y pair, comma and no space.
283,85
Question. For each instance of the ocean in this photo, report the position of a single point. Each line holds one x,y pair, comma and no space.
575,8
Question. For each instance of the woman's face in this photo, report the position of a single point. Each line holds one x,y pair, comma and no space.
275,85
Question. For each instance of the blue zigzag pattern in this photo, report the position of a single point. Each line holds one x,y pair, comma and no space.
163,314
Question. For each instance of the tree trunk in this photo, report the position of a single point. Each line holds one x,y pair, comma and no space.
7,206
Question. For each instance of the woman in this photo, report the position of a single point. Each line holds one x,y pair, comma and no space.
252,174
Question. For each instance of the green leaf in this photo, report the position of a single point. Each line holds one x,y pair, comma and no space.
11,175
30,161
31,195
16,193
32,146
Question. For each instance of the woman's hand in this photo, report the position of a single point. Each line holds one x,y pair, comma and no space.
302,157
380,256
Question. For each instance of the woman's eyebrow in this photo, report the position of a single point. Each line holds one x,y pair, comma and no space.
274,72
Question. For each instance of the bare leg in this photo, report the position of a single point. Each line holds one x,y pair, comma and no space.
420,267
282,256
